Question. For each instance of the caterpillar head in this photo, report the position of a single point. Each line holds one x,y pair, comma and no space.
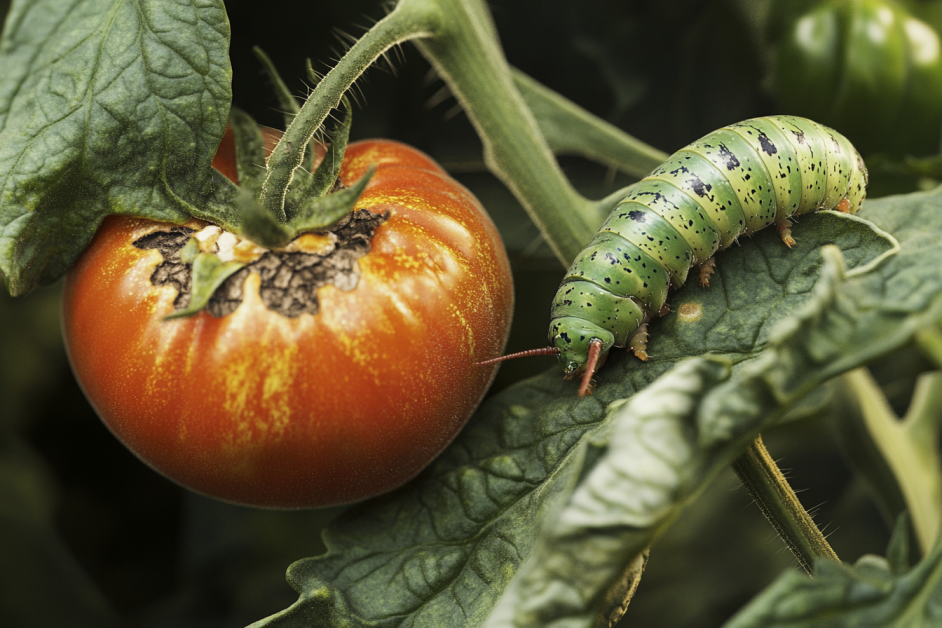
573,338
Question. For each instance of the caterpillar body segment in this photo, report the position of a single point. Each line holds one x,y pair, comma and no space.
732,182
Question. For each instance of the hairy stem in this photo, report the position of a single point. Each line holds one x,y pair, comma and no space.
459,39
898,457
467,55
768,487
410,19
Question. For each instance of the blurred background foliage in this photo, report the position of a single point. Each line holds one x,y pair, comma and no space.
91,536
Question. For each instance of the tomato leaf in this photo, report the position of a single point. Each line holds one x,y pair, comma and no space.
105,108
538,507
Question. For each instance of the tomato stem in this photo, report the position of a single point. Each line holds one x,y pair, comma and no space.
459,40
409,20
570,129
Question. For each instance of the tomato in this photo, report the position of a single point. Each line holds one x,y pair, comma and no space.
262,409
867,68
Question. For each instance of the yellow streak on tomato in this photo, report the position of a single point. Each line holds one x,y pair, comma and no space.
277,388
360,344
318,243
271,365
156,302
364,159
357,323
465,325
405,260
237,390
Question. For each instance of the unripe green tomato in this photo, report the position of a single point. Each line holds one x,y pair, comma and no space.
869,69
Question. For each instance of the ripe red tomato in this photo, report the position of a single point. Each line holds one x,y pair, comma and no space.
260,409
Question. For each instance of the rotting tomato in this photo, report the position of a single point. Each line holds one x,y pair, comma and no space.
263,409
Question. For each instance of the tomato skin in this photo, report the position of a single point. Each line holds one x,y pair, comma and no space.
259,409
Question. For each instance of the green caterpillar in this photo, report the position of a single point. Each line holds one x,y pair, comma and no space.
732,182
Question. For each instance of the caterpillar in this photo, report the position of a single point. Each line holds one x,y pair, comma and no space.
731,182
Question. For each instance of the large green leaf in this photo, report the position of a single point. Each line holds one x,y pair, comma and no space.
533,515
106,107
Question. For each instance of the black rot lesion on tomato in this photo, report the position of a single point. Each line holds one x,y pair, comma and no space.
289,280
172,271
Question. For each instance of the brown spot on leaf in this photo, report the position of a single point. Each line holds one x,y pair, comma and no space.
690,312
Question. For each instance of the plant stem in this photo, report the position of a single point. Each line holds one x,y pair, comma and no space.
929,339
768,487
899,458
467,55
570,129
924,494
460,41
410,19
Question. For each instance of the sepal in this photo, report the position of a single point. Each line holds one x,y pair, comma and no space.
207,274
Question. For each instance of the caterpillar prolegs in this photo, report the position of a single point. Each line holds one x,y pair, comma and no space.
732,182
